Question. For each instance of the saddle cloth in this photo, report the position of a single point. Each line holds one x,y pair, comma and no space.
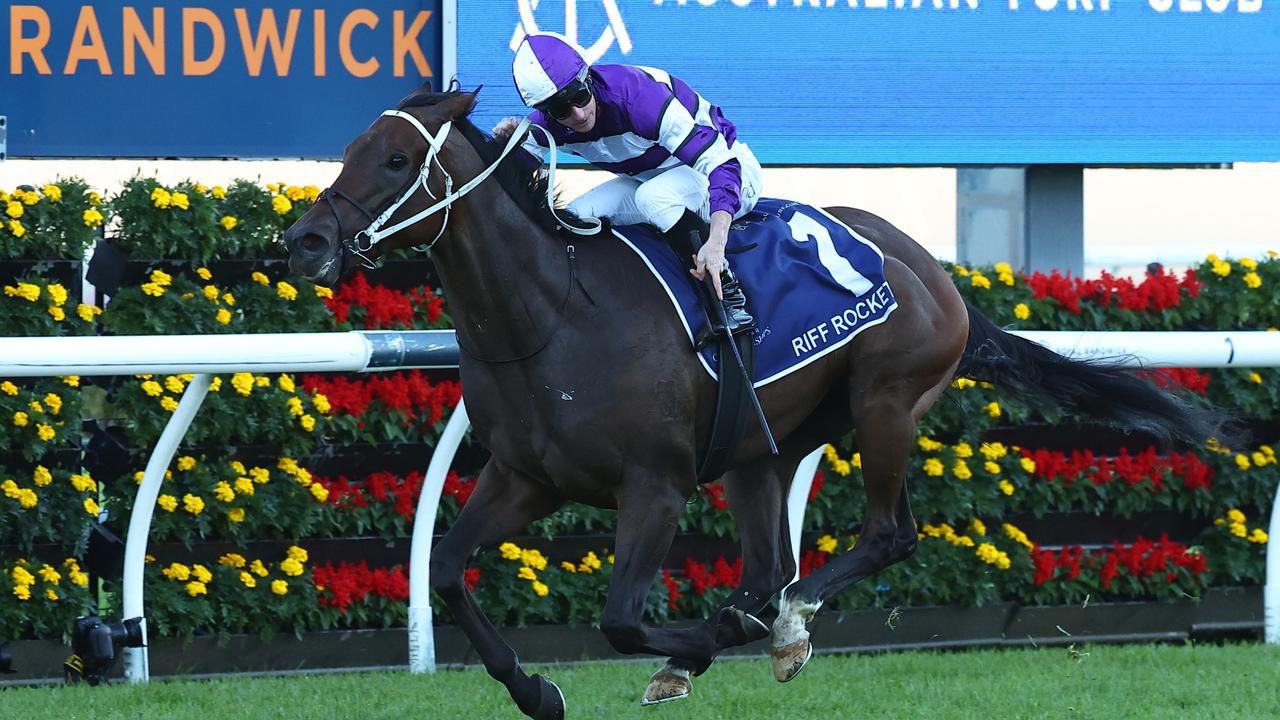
812,283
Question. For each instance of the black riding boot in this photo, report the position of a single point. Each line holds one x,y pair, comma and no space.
686,237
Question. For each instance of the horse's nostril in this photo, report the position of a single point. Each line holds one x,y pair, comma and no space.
313,244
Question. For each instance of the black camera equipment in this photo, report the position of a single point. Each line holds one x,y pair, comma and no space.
96,645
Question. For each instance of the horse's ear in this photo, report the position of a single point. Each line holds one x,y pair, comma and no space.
460,105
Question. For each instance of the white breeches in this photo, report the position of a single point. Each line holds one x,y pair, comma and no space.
662,200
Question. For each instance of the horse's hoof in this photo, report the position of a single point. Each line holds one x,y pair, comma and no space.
789,660
739,628
551,704
666,685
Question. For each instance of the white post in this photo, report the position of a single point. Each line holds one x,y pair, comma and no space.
136,666
422,645
1271,591
798,499
448,43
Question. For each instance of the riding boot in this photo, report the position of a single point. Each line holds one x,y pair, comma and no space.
686,238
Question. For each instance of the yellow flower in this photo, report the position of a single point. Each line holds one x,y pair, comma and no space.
262,475
1212,258
228,222
993,451
1235,516
827,544
195,587
16,228
8,388
91,218
323,293
243,383
1221,268
232,560
294,193
238,467
36,407
20,419
1028,465
53,192
192,504
312,192
153,289
168,403
533,559
1252,281
1248,263
29,197
26,291
1239,530
962,271
308,423
248,580
1258,459
526,573
49,575
83,483
211,293
45,432
177,571
509,551
928,445
285,383
152,388
1007,279
1021,311
41,476
961,470
281,205
236,515
991,467
51,594
540,588
22,592
223,316
161,197
222,492
14,209
1258,536
186,462
1004,268
319,492
591,561
1255,378
980,281
291,567
57,314
180,201
168,503
279,587
28,499
1242,461
88,312
257,568
296,553
229,299
568,566
978,527
95,198
993,409
286,291
964,450
91,507
260,278
201,573
218,192
933,467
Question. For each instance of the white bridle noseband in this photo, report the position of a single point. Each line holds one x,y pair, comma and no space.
366,239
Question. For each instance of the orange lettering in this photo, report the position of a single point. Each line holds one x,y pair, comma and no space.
356,67
407,43
282,54
203,16
94,49
318,15
152,46
33,46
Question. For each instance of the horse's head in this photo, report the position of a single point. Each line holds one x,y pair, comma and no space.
384,172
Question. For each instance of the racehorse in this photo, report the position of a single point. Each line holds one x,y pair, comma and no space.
579,379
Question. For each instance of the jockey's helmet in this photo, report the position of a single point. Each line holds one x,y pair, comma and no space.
551,74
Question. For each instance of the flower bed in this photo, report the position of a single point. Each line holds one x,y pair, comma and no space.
268,457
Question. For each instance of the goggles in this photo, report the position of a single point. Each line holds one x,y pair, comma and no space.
576,94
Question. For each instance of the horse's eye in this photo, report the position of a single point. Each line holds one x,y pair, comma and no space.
397,162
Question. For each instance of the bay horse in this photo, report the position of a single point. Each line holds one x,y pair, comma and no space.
580,380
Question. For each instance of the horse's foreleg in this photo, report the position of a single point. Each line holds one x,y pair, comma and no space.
886,433
757,501
647,518
503,504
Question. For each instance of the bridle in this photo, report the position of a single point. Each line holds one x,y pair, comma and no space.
365,240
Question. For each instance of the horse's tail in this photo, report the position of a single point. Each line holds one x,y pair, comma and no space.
1100,390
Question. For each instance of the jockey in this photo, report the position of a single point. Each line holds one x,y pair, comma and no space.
680,166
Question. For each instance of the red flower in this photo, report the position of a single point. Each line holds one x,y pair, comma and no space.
673,589
816,487
471,577
715,495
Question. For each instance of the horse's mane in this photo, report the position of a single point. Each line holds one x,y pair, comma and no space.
526,186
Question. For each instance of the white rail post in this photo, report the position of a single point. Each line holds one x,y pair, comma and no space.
137,668
1271,591
422,643
798,500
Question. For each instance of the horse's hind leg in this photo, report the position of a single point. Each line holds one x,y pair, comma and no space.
503,504
885,427
757,500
